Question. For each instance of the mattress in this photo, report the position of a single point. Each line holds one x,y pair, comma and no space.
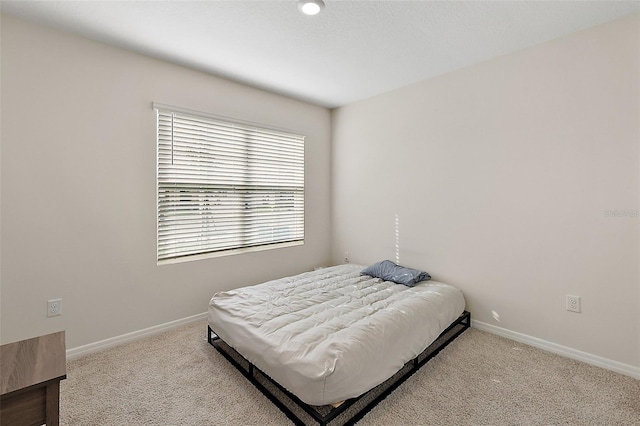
332,334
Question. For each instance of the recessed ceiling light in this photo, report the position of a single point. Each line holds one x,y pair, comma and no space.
310,7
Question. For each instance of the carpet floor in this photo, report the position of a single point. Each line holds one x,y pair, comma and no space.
177,378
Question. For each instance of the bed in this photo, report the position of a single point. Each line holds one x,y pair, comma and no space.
331,335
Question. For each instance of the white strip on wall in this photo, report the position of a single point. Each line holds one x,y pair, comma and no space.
129,337
598,361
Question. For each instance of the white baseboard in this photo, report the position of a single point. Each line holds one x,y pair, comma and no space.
598,361
129,337
618,367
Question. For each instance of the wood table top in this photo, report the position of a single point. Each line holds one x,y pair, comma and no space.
32,361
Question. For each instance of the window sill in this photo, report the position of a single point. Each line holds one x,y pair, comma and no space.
225,253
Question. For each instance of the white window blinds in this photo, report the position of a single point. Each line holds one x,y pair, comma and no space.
226,186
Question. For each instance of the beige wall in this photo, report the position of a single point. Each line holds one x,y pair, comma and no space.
496,178
499,176
78,187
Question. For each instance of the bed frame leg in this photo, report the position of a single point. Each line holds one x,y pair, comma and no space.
211,335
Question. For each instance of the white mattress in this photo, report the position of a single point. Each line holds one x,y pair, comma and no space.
332,334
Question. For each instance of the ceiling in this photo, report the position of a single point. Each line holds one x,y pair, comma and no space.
351,51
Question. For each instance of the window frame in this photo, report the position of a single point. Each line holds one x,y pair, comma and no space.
273,190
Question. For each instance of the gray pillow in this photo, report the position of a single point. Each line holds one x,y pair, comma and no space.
389,271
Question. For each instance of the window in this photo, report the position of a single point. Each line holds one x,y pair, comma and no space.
226,186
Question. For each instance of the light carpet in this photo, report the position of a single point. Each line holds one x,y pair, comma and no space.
177,378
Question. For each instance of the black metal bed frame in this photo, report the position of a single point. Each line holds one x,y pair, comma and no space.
351,410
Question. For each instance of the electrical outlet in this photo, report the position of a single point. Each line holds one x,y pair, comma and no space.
54,307
346,257
573,303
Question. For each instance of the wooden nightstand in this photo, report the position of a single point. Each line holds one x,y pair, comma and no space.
30,374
